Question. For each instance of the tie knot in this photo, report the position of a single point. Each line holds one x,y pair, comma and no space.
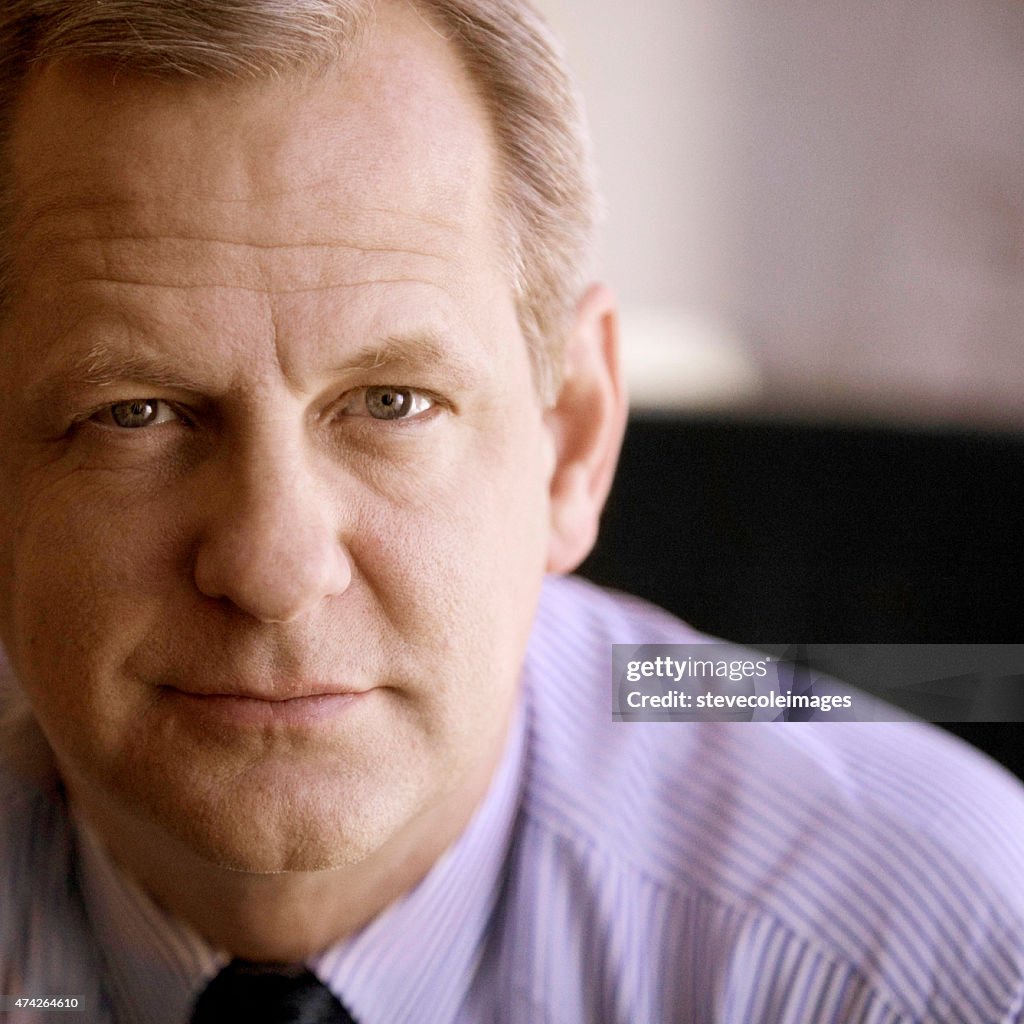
264,994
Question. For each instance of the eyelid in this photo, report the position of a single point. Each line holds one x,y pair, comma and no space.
358,396
352,404
171,411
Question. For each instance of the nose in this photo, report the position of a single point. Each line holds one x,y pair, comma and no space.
271,542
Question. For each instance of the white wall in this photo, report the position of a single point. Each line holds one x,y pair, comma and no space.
835,189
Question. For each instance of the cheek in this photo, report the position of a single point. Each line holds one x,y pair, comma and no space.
467,533
457,573
85,565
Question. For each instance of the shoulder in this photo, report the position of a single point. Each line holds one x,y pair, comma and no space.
33,827
892,849
41,924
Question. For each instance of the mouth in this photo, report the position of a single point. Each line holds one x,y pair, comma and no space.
271,694
262,708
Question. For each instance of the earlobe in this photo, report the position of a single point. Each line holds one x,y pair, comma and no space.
587,422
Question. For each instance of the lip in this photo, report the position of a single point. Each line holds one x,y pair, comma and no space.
246,709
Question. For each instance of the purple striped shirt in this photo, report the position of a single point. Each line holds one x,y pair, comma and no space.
736,873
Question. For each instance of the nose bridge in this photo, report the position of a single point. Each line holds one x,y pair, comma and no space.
271,542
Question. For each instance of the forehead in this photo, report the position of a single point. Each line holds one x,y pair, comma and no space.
388,147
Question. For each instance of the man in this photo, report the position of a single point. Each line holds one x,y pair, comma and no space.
304,394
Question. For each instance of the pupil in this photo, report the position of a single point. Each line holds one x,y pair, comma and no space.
133,414
387,403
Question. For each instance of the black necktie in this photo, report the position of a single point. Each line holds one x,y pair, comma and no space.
261,994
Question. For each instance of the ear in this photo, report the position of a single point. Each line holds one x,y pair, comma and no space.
586,422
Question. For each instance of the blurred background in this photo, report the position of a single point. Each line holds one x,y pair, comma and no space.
816,227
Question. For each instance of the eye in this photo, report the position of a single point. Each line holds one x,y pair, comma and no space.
136,413
388,403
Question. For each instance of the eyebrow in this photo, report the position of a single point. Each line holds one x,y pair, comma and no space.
424,348
104,365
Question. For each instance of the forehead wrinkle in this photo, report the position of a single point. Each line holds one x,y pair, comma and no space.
46,226
331,243
103,217
47,199
110,200
53,241
181,262
264,289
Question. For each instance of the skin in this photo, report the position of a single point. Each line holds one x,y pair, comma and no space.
245,263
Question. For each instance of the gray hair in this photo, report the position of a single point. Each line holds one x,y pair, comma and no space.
546,193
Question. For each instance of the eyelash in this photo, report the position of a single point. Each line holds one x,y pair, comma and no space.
423,403
107,417
414,395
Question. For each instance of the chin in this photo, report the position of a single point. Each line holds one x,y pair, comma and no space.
319,850
291,832
272,820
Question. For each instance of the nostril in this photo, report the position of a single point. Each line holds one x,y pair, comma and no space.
275,573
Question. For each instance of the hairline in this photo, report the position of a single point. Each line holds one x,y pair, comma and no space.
545,341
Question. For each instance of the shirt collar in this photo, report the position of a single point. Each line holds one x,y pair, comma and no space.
154,965
416,959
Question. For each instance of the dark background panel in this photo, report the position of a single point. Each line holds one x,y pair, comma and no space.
768,532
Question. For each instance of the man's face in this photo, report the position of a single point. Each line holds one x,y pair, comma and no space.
268,433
